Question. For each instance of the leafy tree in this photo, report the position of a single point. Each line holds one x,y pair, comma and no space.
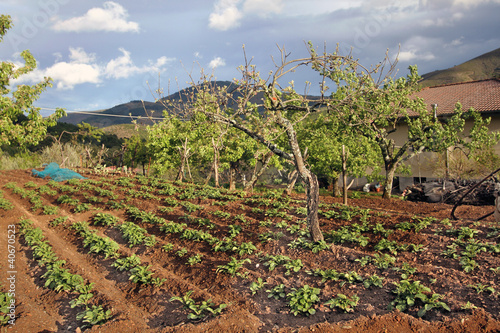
211,144
20,121
136,152
238,148
172,142
324,136
369,100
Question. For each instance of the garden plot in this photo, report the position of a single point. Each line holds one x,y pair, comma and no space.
143,254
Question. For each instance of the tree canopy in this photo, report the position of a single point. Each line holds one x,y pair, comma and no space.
20,121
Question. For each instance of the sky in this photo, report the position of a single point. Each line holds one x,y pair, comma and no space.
103,53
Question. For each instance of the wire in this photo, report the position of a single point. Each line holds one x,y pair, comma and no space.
95,113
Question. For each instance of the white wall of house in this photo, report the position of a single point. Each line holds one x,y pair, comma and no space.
427,165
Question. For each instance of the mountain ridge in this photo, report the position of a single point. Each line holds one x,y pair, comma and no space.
485,66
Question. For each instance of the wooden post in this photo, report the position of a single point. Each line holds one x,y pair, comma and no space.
344,173
447,165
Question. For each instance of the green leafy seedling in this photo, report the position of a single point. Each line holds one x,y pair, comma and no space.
255,286
302,300
343,302
277,292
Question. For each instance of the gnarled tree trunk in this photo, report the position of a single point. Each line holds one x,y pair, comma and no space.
312,205
232,176
309,178
390,170
292,180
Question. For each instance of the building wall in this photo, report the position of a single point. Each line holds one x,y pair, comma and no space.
432,165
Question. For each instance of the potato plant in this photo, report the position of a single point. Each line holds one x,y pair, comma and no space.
5,302
302,300
136,235
200,310
343,302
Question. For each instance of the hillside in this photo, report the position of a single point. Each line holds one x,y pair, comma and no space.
124,131
483,67
120,114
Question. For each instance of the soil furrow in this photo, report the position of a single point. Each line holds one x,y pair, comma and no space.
65,250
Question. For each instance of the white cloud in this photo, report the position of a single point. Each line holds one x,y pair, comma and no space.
217,62
79,55
120,67
445,21
112,17
412,55
82,68
68,75
123,66
456,42
226,15
317,7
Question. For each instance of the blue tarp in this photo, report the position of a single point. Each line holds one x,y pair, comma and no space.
53,171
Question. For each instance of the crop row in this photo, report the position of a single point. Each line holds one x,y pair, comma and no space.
58,278
138,273
355,233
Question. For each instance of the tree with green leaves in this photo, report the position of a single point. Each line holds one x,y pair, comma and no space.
324,137
211,145
172,142
20,121
237,149
379,108
370,100
136,152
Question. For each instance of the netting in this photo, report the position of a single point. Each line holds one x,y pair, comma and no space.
56,173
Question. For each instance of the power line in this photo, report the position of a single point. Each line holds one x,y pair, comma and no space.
102,114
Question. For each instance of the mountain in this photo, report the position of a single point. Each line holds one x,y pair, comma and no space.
120,114
485,66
